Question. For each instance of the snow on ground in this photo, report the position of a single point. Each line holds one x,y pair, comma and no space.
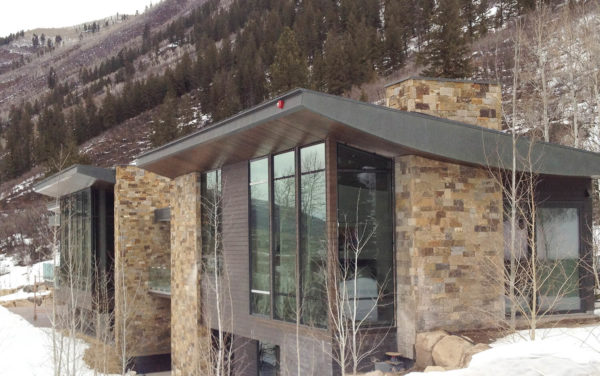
22,295
555,352
26,350
19,276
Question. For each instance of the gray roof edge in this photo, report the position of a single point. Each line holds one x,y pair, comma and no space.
162,151
421,130
99,173
138,161
479,137
450,122
424,78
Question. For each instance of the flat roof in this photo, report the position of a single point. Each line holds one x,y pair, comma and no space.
310,116
73,179
422,78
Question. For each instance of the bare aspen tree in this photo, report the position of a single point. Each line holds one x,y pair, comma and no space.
541,18
572,55
348,316
128,301
218,351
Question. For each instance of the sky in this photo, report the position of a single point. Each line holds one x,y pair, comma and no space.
16,15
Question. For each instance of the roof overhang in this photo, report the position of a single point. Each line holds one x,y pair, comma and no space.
73,179
310,116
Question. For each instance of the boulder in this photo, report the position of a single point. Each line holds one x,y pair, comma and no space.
434,369
450,351
424,346
472,351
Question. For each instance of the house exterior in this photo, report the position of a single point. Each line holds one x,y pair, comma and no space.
302,178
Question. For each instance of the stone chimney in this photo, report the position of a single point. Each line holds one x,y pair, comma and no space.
473,102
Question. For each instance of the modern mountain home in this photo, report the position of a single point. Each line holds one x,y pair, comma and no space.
300,179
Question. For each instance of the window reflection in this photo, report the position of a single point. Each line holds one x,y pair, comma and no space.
260,300
366,232
284,236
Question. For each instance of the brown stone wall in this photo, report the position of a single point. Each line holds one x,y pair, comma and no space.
465,101
140,243
449,232
185,278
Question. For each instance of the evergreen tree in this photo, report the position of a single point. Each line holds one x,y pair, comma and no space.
164,125
18,143
337,70
224,97
447,53
289,69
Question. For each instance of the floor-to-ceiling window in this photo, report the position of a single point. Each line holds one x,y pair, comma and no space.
557,239
211,217
284,236
365,234
288,235
260,288
76,239
313,236
87,238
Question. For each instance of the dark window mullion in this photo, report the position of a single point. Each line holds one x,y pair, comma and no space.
299,298
271,196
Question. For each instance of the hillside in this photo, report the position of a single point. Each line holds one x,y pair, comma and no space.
110,89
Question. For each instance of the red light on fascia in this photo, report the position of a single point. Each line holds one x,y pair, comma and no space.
280,104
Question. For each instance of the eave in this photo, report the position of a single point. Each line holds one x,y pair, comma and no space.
310,116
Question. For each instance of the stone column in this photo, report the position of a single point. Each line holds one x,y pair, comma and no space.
140,243
449,248
186,329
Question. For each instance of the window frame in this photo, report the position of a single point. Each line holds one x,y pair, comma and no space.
271,196
392,171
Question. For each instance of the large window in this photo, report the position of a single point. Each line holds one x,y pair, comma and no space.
365,217
86,238
557,241
211,199
76,239
260,288
556,266
313,236
287,235
284,236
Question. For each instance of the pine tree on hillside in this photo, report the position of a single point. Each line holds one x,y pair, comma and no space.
447,54
337,70
18,143
398,31
289,69
164,125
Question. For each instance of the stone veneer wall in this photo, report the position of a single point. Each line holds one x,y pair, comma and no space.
449,231
186,328
140,242
465,101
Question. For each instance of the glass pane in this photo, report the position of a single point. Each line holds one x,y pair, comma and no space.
313,248
366,236
284,165
268,359
312,158
259,170
210,196
284,248
558,252
259,246
354,159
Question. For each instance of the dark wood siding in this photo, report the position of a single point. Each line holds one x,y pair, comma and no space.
314,343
